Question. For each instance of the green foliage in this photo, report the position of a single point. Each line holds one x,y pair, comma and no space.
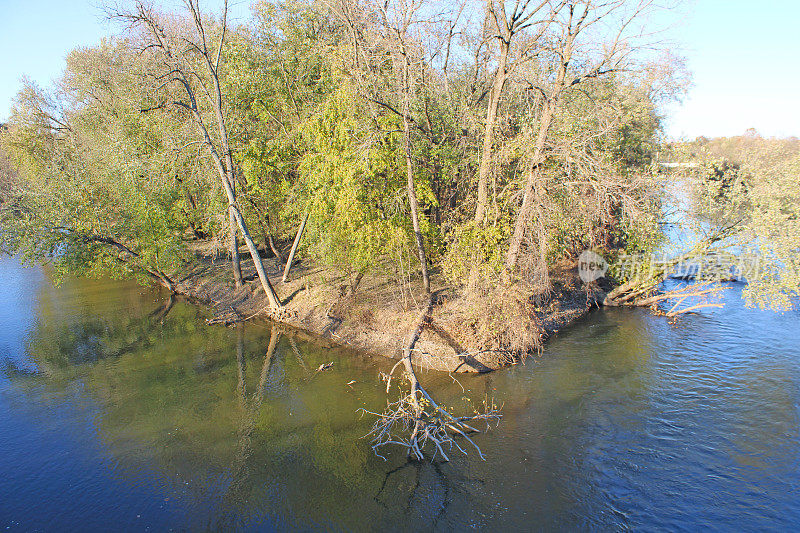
476,251
354,184
93,169
751,184
313,109
278,74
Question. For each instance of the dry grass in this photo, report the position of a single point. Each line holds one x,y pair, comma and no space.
469,329
501,321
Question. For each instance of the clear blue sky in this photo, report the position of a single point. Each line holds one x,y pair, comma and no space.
37,35
743,55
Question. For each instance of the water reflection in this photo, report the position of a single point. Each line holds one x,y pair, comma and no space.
121,409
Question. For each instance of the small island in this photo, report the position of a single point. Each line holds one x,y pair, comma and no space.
449,185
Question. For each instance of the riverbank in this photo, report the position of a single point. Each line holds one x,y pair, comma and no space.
375,314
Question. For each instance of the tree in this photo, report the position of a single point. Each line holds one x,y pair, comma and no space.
752,191
188,62
572,61
401,19
507,28
396,35
278,75
93,193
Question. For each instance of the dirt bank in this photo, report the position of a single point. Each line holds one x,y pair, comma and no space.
372,314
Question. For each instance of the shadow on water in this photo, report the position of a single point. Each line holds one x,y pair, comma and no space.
120,408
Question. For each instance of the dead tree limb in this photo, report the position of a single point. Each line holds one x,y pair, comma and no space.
641,289
416,420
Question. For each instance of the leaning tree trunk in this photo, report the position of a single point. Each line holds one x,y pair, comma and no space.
229,182
271,243
274,302
488,134
641,290
548,112
226,177
295,245
186,77
412,193
514,246
236,263
130,257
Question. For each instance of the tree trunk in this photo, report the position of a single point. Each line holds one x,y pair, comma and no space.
225,168
512,256
488,135
234,249
226,177
275,251
295,244
228,172
548,111
412,193
125,255
274,302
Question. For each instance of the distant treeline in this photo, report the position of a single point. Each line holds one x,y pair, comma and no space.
752,184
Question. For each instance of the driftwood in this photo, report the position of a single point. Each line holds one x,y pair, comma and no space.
416,420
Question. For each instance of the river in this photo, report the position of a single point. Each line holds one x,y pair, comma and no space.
118,412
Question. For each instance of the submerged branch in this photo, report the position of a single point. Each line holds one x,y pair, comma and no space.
641,291
416,420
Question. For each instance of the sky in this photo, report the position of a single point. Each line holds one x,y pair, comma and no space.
743,56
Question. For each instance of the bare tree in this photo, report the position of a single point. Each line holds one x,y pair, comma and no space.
571,62
416,420
507,27
190,65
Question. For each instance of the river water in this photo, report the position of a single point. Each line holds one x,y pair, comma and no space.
118,412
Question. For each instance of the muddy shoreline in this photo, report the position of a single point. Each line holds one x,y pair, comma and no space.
373,317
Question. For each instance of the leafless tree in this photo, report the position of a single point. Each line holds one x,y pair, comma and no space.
522,25
416,420
568,60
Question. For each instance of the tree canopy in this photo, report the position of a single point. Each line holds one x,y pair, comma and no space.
488,142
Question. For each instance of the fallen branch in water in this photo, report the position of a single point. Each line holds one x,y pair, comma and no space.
641,290
702,290
416,420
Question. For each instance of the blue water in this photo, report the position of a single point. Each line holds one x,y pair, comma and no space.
118,412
